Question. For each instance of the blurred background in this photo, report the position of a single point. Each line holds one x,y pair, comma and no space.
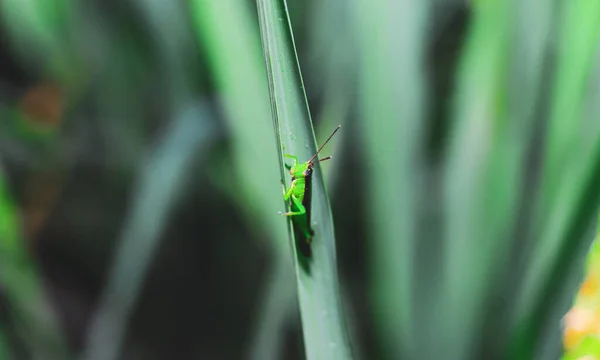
140,180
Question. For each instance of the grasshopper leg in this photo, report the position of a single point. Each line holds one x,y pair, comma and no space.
295,158
298,203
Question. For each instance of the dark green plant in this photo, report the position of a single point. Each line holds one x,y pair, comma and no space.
466,175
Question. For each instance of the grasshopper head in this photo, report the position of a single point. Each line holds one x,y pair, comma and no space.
302,170
305,169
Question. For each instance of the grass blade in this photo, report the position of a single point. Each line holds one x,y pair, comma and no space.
35,321
232,42
392,39
325,335
568,201
494,115
233,46
158,188
277,306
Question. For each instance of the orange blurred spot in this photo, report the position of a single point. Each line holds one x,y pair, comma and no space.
589,287
572,338
596,329
579,323
580,319
43,104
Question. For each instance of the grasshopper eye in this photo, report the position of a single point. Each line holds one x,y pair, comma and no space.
308,172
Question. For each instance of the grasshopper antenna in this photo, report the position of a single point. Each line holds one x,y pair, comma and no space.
322,146
325,158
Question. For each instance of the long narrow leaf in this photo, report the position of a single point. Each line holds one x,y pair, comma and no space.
35,321
568,203
233,46
158,188
392,38
494,117
325,335
232,42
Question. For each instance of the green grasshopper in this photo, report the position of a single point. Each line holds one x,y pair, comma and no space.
299,194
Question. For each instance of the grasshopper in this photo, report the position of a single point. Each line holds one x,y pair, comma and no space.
300,192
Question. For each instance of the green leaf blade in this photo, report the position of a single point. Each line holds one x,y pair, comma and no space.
325,334
392,47
36,322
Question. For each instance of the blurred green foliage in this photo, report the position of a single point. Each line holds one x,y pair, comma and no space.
141,221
